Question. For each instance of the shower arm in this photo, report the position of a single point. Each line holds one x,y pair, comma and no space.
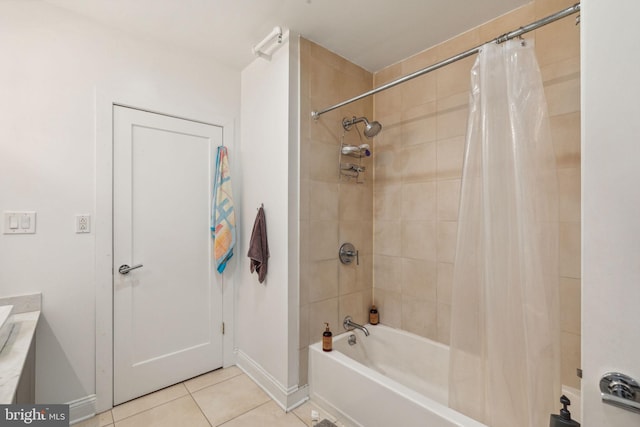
347,123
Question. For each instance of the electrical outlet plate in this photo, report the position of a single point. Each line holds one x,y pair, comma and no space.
83,223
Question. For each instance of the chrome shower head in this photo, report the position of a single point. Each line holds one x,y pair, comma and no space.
371,129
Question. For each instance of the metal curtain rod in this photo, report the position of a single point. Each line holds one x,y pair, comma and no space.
501,39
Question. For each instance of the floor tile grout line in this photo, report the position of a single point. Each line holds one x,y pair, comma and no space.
249,410
153,407
210,385
198,405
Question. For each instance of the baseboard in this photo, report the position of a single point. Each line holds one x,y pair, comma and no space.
82,409
287,398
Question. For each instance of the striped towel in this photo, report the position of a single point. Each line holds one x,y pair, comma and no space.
223,219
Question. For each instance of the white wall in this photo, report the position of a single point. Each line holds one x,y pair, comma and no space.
52,64
266,314
610,202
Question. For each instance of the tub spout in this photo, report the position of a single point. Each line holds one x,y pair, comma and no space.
350,324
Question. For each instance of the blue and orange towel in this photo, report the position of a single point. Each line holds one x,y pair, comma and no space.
223,218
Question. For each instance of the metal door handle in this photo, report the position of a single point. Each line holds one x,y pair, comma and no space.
620,390
125,269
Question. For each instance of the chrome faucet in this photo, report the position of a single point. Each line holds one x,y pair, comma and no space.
350,324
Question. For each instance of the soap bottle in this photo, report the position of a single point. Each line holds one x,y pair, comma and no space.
374,317
564,419
327,340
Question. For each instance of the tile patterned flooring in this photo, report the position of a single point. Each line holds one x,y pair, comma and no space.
225,397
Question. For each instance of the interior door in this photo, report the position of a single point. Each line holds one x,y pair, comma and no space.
167,306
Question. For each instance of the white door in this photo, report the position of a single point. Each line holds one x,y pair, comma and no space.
168,312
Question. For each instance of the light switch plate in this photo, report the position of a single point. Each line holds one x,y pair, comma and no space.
19,222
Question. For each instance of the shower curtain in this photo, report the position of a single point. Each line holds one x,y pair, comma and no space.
505,358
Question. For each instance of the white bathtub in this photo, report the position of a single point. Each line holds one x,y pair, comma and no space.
390,378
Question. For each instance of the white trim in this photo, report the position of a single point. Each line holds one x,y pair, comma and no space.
288,398
105,99
82,409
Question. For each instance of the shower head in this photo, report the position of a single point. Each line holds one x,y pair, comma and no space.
371,129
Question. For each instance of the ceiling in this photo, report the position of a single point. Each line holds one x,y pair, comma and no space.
370,33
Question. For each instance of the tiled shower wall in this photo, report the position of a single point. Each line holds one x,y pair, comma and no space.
418,166
332,210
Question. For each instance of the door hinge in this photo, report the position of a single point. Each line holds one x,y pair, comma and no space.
222,328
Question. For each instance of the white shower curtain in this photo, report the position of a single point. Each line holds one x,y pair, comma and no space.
505,357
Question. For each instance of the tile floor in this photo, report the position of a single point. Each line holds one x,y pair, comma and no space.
225,397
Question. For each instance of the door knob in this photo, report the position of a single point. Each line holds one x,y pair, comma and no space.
125,269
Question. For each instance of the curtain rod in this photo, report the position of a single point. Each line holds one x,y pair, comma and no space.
501,39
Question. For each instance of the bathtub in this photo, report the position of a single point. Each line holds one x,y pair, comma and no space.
389,378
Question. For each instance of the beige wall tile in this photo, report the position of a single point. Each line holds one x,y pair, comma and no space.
507,22
387,238
323,201
419,240
389,166
570,355
419,279
387,202
444,323
544,8
391,135
419,316
319,313
570,296
450,156
565,132
420,162
455,78
452,122
356,202
460,43
303,367
570,251
563,95
569,194
447,232
324,82
387,273
359,233
419,124
419,201
353,305
325,164
323,278
364,274
558,41
418,91
561,70
387,74
303,332
323,240
389,305
448,199
445,282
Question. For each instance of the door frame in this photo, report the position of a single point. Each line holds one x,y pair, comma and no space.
106,99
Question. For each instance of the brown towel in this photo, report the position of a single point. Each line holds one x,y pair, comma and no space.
259,247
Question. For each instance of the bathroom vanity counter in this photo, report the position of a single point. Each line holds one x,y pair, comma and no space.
17,358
